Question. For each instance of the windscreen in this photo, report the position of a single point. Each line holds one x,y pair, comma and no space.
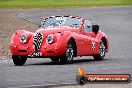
62,21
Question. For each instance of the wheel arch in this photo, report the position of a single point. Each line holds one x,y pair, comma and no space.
102,36
105,42
75,46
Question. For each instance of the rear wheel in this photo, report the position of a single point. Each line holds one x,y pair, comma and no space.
68,56
19,60
102,50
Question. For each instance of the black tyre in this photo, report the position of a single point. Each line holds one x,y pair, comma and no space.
19,60
81,80
102,51
55,59
68,56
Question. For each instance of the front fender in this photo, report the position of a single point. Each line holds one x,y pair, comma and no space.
16,36
15,43
67,36
62,40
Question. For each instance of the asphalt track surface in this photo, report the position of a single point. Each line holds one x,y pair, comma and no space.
116,22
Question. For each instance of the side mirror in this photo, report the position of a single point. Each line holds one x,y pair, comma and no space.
95,28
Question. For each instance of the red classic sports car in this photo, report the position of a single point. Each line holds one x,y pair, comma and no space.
60,38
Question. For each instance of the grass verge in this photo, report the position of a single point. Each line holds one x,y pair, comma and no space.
60,3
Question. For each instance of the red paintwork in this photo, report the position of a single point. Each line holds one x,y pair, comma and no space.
61,37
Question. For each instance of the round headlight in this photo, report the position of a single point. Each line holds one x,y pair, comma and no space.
49,39
23,38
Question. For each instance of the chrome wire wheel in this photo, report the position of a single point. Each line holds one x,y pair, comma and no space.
102,49
69,52
68,56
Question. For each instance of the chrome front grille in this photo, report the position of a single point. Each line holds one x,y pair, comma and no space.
37,41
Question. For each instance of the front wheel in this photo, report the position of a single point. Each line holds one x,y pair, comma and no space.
102,51
19,60
68,56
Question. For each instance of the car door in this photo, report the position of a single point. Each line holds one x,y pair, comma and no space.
91,37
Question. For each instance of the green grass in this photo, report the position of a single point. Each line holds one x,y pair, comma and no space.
60,3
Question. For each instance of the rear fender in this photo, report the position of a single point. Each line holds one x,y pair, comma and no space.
101,35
